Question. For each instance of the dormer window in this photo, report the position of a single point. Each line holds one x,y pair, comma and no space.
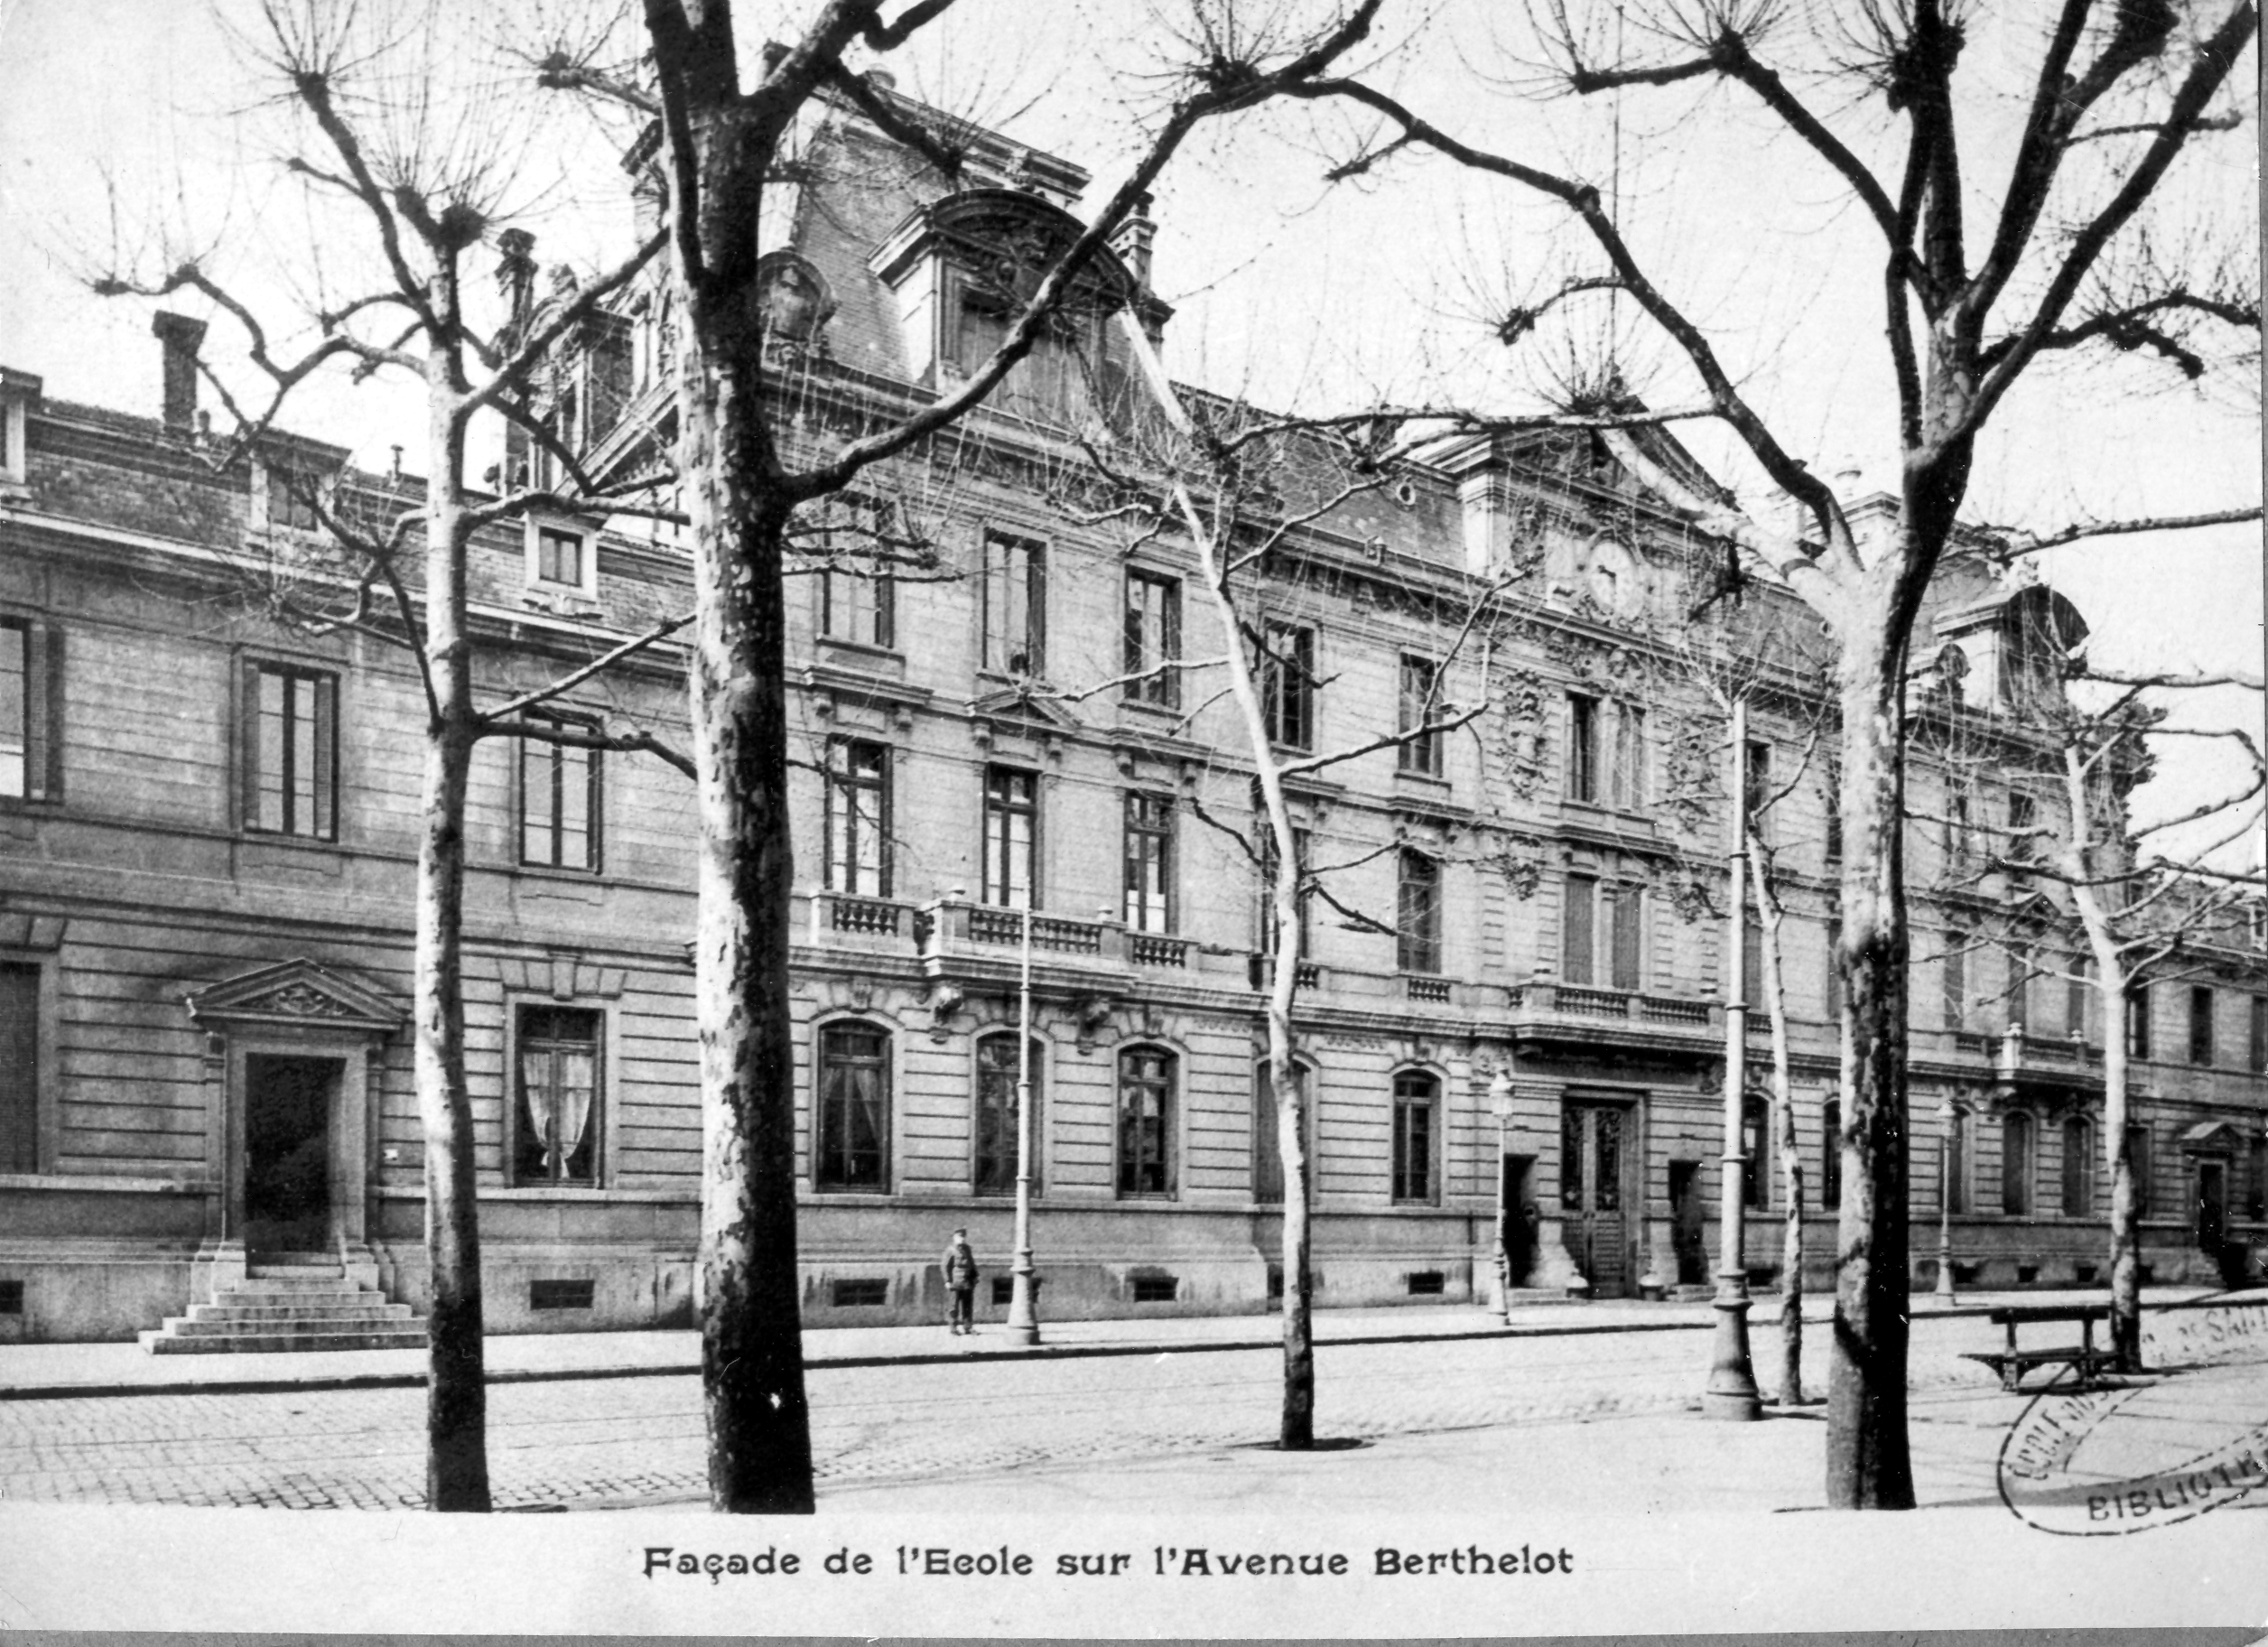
563,557
18,391
293,498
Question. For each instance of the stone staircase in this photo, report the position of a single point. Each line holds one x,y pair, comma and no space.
289,1301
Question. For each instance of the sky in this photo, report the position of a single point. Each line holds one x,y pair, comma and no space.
128,122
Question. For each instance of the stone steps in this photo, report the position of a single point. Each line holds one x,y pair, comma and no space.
289,1303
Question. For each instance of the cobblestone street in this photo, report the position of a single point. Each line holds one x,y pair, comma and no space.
593,1443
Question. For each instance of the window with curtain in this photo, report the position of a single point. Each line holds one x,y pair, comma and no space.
1014,598
31,711
1145,1112
851,1142
1578,941
1627,776
1417,1100
1956,977
556,1125
1623,913
995,1123
2138,1020
1286,670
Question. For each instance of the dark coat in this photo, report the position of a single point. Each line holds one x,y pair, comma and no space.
959,1265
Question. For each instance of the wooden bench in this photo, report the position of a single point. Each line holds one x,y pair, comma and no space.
2083,1358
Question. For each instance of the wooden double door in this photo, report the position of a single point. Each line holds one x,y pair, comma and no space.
1599,1156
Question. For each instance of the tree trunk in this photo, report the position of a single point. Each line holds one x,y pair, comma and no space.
751,1329
456,1388
1868,1465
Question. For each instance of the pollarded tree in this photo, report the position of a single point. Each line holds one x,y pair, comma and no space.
730,154
2118,93
414,184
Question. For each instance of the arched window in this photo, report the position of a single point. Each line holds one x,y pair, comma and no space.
1146,1076
1268,1153
2078,1168
994,1122
1831,1154
850,1144
1416,1103
2016,1159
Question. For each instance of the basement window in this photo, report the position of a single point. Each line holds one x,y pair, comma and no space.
863,1294
1155,1289
561,1295
1427,1283
10,1298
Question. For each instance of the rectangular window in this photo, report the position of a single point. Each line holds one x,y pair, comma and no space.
2256,1051
1015,597
1831,1154
1583,749
1956,979
2016,1137
1417,912
1625,905
556,1125
291,496
1629,775
1268,1144
1957,840
559,556
2200,1024
560,799
2256,1180
291,751
982,328
1011,837
1149,863
1833,789
1834,972
851,1142
1578,944
1287,684
1956,1188
31,711
2077,987
1415,1097
858,606
1153,640
858,844
1420,749
19,1067
1755,1143
2138,1020
2078,1170
1758,798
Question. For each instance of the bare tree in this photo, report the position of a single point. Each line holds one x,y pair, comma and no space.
375,138
724,152
2149,896
1244,485
2118,93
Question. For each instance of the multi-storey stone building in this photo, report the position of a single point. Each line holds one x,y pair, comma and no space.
1511,997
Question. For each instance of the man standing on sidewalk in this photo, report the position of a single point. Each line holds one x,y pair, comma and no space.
959,1265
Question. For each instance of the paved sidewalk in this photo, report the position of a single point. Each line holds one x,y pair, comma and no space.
49,1369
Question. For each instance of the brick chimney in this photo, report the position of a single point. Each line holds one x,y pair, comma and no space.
180,338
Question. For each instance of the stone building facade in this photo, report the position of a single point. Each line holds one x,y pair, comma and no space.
1512,988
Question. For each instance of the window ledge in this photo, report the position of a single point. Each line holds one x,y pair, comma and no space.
565,877
72,1182
1424,782
863,649
1167,712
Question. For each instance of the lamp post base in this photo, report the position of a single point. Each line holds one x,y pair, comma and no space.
1023,1322
1731,1392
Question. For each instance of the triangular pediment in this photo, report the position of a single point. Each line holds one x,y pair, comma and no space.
1012,703
294,992
2212,1135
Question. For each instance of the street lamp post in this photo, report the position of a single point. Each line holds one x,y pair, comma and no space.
1948,1118
1731,1391
1023,1314
1501,1106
